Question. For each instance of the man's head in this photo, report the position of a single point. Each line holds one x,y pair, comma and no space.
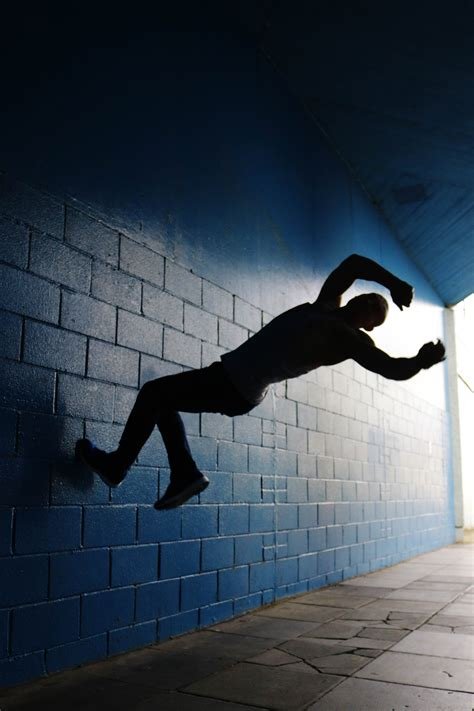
366,311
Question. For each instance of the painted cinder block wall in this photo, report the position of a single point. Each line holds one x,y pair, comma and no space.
207,206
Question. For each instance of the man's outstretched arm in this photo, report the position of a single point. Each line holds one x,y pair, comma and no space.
357,267
376,360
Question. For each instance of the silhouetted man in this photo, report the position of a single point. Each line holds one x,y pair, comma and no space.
299,340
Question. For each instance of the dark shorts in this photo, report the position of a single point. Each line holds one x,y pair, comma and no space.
203,390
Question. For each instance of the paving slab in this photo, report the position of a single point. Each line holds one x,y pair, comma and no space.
422,595
364,590
417,606
306,649
336,600
459,609
364,695
343,664
78,691
271,628
421,670
339,629
270,687
437,644
386,633
299,611
178,701
273,658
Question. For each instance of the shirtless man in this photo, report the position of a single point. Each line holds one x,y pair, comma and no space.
299,340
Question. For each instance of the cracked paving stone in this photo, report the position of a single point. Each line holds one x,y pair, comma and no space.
450,621
339,629
304,648
271,687
387,634
273,658
421,670
365,643
369,652
343,664
267,627
298,611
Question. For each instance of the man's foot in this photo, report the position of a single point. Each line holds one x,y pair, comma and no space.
180,491
102,463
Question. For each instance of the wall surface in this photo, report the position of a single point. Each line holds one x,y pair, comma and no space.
180,199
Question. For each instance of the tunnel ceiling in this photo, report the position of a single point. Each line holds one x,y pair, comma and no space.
392,87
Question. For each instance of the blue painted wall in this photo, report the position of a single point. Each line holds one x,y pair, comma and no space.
173,198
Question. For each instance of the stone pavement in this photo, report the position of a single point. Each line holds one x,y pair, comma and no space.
397,639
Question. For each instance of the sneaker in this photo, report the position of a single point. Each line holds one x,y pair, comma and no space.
180,491
100,462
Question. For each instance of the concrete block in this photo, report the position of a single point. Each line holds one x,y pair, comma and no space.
56,529
218,612
109,526
231,335
31,206
76,653
141,261
297,490
200,324
247,488
59,262
163,307
28,295
119,289
24,482
247,430
317,539
307,416
132,565
124,401
136,637
156,529
183,349
262,518
139,333
24,579
199,521
48,436
108,610
91,236
262,576
198,590
14,243
233,519
247,315
54,348
183,283
232,457
285,411
179,558
26,387
177,624
113,363
85,398
77,572
10,335
307,515
233,582
217,553
6,531
217,301
45,625
286,516
159,599
248,549
8,425
15,671
90,316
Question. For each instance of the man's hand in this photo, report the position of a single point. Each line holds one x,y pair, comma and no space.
430,354
402,294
